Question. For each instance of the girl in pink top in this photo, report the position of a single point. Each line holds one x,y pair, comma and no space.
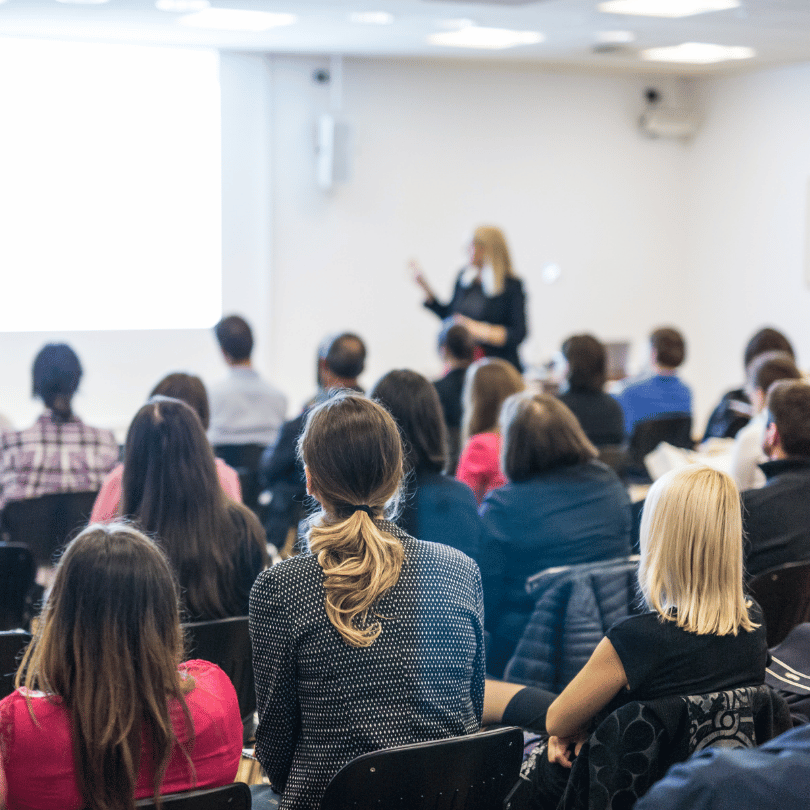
487,384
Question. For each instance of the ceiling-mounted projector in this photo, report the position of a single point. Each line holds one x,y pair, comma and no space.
658,121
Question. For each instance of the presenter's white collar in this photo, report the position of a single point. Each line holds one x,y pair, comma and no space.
470,273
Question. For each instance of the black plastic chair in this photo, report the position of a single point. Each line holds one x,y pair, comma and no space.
12,646
783,593
17,572
244,458
647,435
47,523
235,796
463,773
226,643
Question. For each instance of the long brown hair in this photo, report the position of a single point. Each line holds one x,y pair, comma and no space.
108,644
171,488
353,455
487,383
493,242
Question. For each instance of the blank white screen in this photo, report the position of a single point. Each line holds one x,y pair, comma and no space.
110,187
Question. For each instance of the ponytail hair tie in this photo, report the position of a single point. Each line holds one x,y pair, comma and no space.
363,508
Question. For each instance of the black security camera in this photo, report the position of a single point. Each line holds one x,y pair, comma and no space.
321,76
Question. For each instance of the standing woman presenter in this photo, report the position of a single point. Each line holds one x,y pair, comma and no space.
488,298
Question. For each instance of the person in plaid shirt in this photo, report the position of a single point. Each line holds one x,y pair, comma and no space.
58,453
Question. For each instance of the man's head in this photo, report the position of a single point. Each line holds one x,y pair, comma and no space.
788,431
341,361
235,339
764,371
766,340
668,348
456,345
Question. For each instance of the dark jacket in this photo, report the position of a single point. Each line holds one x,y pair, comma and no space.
600,415
507,309
776,518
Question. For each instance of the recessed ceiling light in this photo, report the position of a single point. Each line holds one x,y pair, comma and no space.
233,19
371,17
666,8
486,38
615,37
83,2
454,23
182,5
697,53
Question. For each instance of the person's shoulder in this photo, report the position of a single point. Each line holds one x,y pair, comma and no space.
438,556
290,573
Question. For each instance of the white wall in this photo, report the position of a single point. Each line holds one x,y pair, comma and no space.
749,171
554,159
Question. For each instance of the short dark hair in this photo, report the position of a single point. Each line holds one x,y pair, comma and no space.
789,408
189,389
56,376
669,346
458,342
768,368
414,403
235,337
346,356
587,360
767,340
540,433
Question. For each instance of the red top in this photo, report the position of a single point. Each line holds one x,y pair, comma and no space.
38,760
480,464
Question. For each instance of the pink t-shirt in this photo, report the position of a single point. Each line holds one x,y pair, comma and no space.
480,464
38,759
106,506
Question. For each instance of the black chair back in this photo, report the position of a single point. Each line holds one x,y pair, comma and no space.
47,523
17,572
647,435
244,458
235,796
463,773
12,646
783,593
226,643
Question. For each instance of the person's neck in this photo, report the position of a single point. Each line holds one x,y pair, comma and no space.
778,454
664,371
239,363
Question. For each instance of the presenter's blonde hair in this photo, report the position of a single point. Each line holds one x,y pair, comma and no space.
691,568
493,243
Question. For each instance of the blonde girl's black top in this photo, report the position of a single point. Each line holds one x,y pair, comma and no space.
323,702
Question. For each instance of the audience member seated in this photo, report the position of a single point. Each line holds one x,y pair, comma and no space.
170,487
436,507
661,393
341,361
734,409
777,517
372,640
560,507
59,452
700,635
188,389
599,414
245,409
103,678
457,350
487,384
774,775
747,453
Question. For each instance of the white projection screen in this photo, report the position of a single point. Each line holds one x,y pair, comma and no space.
110,187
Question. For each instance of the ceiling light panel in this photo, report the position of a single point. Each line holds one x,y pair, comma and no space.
486,38
697,53
666,8
232,19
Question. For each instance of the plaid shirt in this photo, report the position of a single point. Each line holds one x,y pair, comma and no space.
53,456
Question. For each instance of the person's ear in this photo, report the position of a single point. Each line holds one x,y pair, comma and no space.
310,490
771,441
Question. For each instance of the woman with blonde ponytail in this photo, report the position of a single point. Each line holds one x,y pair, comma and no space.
371,640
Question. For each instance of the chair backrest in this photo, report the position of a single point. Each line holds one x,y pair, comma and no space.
647,435
17,572
226,643
245,459
12,645
463,773
235,796
783,593
615,456
47,523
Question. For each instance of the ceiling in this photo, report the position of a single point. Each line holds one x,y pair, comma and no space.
778,30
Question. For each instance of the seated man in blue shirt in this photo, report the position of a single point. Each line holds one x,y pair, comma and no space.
662,394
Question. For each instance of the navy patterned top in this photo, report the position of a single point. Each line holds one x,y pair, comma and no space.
323,702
